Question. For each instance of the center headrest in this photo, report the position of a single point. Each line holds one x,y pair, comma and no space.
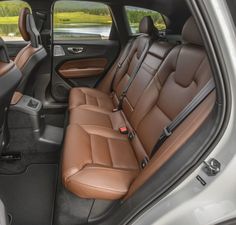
28,28
191,34
146,25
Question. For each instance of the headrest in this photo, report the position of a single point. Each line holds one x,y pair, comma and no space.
22,23
146,25
4,57
28,28
191,34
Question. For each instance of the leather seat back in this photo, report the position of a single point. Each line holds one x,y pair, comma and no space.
10,77
140,46
183,74
30,56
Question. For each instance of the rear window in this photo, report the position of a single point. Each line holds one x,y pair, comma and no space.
135,15
77,20
9,14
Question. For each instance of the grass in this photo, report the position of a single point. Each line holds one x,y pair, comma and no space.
80,18
9,20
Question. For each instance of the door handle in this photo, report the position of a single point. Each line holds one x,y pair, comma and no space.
75,50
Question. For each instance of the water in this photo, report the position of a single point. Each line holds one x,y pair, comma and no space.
96,32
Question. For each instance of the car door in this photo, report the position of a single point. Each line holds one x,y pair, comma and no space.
84,46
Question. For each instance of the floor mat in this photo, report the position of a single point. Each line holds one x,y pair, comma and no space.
20,166
29,197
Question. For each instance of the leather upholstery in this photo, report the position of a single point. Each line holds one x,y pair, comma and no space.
31,55
22,23
25,54
83,68
146,25
81,96
101,117
16,98
98,161
103,167
190,33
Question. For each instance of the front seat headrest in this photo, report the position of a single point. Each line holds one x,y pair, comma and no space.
191,34
28,28
146,25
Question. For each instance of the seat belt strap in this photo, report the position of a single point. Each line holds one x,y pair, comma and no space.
132,77
196,101
123,58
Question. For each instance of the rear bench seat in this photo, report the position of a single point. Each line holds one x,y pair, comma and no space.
123,69
93,115
101,163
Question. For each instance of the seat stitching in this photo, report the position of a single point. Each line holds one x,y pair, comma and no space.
109,147
91,147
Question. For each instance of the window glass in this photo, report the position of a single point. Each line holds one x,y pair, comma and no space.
9,14
135,15
75,20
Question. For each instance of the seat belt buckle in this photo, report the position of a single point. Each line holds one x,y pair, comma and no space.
123,130
144,162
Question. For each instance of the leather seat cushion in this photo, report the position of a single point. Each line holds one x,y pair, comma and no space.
90,115
25,55
88,96
98,162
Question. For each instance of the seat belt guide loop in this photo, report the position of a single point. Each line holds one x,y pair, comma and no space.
167,131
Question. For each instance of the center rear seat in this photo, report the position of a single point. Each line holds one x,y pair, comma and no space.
126,65
100,162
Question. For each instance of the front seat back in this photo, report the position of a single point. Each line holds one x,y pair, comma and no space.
10,77
30,56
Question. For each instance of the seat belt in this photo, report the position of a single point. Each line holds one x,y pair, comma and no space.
42,17
132,77
196,101
123,58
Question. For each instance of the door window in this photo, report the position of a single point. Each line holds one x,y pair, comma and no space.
135,15
77,20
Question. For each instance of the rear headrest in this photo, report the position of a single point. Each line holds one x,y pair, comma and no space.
191,34
146,25
28,28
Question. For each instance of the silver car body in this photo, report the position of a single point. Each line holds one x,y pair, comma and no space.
191,203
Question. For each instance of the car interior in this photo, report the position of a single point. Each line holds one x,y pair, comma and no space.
97,125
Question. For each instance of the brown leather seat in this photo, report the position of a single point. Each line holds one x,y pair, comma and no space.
102,97
29,57
101,163
9,79
92,115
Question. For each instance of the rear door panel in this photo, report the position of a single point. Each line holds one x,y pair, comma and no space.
80,64
84,45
